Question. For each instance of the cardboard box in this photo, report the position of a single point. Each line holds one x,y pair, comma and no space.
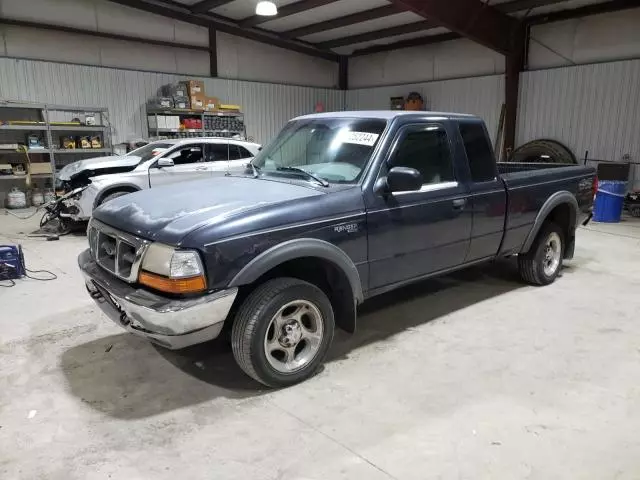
195,87
197,102
211,104
39,168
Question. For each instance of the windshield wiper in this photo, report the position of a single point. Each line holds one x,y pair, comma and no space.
321,181
255,169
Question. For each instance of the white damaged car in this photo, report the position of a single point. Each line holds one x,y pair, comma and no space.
158,163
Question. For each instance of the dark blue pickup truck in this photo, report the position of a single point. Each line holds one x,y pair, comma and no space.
338,208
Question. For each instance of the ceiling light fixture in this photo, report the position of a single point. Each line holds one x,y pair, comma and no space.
266,9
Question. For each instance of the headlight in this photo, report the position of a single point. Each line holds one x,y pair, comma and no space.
169,270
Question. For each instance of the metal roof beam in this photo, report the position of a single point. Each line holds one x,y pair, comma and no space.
510,7
378,34
344,21
285,11
470,18
206,5
588,10
221,24
413,42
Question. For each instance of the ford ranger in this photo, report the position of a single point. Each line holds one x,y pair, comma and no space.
340,207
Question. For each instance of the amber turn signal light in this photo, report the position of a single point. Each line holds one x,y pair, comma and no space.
173,285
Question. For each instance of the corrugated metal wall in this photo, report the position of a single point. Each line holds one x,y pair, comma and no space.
266,106
593,108
481,96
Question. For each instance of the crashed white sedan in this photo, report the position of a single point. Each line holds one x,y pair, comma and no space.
158,163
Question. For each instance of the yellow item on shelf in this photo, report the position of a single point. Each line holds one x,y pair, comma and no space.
234,108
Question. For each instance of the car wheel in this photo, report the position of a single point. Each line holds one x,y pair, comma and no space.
282,332
112,196
543,262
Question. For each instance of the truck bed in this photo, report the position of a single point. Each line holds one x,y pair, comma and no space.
529,185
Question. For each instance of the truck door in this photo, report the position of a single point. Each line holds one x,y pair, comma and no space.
415,233
488,194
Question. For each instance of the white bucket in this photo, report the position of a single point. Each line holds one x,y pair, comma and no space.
16,199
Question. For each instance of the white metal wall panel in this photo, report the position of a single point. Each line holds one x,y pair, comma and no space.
593,108
456,59
266,106
481,96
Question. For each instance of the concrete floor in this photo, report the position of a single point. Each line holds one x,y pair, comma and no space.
472,376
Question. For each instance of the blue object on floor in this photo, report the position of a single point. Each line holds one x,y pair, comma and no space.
11,262
609,201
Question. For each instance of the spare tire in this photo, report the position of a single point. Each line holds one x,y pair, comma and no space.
543,151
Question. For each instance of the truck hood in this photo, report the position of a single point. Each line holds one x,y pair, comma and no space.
75,169
168,214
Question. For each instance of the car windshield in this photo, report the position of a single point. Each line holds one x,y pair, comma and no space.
149,151
333,149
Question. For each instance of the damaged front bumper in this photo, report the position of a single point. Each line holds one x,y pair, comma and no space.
80,208
171,323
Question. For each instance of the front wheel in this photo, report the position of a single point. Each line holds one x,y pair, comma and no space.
282,332
543,262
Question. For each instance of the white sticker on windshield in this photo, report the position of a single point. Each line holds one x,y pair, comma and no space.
360,138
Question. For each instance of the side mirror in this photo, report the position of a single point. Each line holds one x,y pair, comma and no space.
164,162
403,179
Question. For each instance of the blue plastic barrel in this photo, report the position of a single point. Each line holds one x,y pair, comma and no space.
609,201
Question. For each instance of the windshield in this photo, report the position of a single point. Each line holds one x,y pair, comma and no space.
149,151
334,149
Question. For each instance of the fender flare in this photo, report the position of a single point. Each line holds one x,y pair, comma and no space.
558,198
111,188
298,248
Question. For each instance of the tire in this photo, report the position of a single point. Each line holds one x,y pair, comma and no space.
111,196
265,322
535,266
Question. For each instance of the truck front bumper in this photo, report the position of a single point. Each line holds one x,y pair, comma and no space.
168,322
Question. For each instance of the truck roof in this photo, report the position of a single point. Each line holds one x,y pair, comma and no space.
385,114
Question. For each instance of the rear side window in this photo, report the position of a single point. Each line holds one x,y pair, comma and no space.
244,153
479,153
428,152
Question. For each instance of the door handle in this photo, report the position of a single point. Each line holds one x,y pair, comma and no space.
201,168
459,203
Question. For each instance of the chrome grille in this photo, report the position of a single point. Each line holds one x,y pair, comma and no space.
117,252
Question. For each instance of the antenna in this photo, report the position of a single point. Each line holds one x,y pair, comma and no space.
228,158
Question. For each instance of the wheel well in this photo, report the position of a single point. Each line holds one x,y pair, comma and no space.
564,217
322,273
106,193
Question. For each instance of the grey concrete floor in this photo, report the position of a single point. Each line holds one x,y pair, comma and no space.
471,376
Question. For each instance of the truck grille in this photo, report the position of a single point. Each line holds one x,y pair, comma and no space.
117,252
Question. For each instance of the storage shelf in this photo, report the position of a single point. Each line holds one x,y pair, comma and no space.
169,111
78,128
192,130
23,127
81,150
24,177
6,151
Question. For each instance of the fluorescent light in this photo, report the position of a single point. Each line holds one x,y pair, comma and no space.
545,156
266,9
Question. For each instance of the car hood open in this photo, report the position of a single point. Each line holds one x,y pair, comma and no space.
168,214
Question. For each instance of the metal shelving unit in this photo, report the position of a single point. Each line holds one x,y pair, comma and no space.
53,121
235,120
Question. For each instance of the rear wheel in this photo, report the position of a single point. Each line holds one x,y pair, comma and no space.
282,332
543,262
